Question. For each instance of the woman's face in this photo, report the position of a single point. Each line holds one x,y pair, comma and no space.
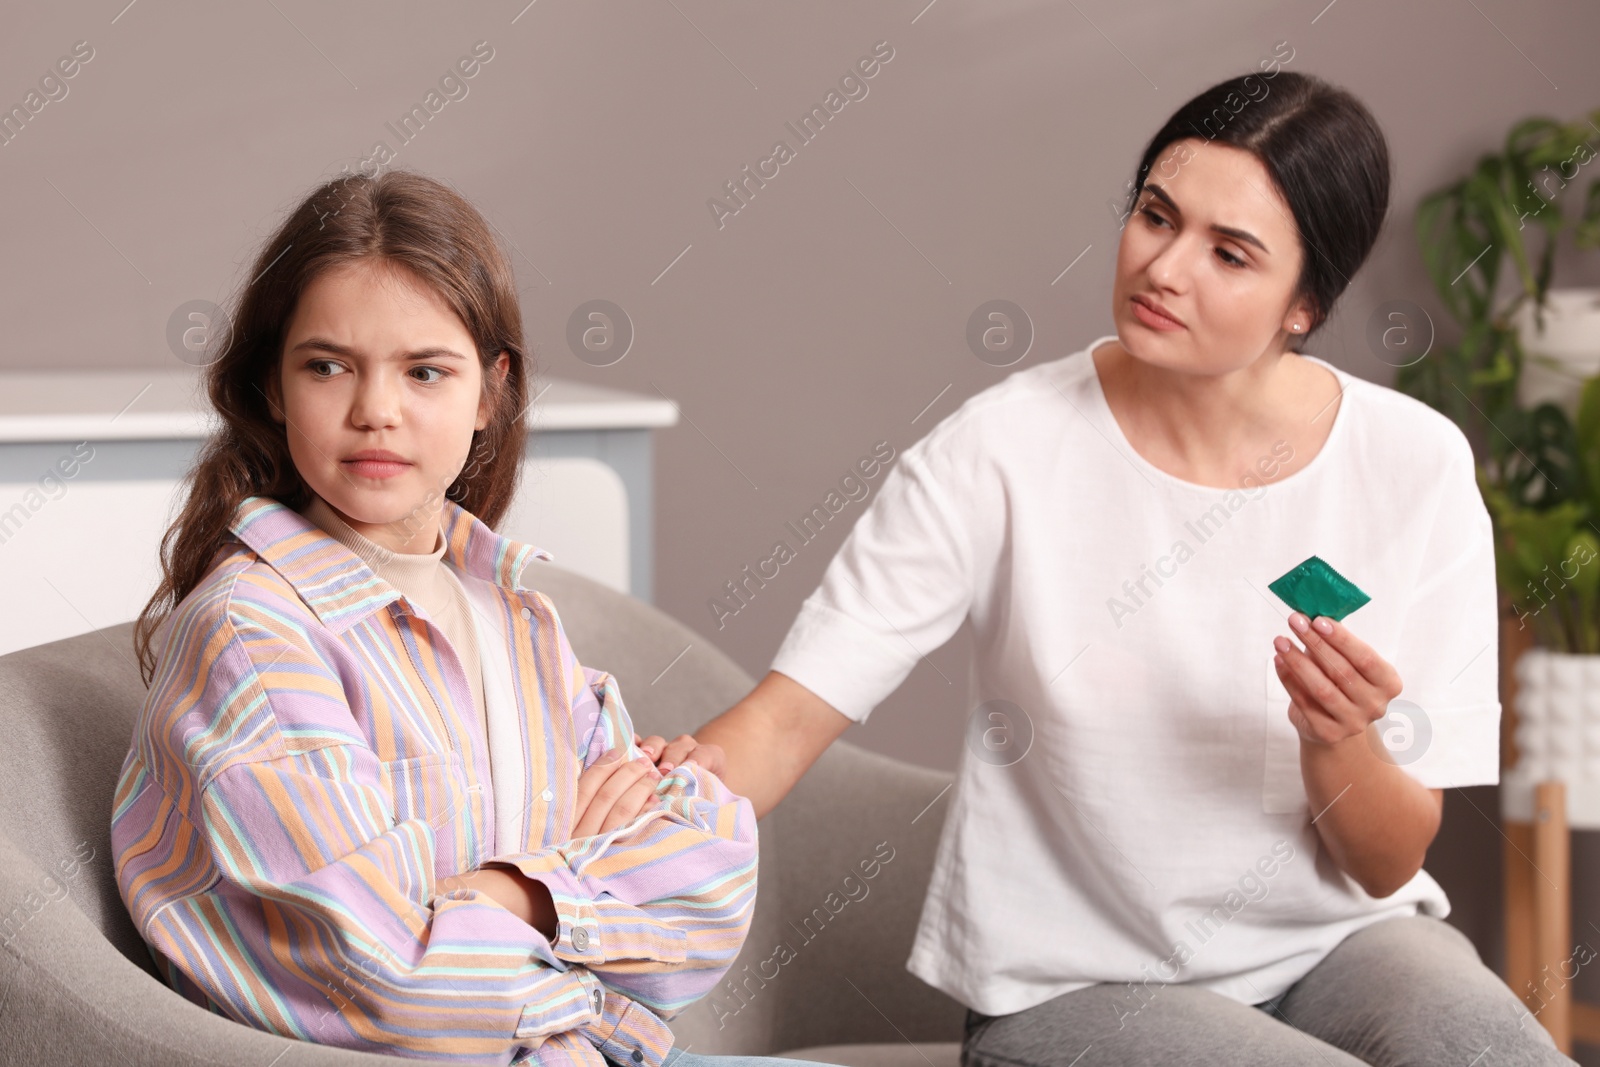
380,388
1212,244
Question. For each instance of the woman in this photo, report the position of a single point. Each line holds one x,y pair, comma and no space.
373,800
1173,813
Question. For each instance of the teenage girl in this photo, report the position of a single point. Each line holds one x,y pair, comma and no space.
373,800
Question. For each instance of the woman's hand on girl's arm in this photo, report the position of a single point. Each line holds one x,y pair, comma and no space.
1376,820
680,750
771,738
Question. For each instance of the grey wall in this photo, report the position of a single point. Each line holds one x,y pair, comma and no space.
830,312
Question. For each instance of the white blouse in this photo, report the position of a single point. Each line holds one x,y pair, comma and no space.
1129,805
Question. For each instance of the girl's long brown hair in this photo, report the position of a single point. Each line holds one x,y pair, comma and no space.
403,219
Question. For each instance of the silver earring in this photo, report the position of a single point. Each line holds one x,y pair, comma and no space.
1296,326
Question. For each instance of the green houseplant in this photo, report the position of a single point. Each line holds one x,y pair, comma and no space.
1489,242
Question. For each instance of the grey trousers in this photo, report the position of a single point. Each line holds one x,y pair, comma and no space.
1402,991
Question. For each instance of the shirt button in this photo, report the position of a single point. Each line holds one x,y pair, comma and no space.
547,796
638,1057
597,1001
580,938
527,613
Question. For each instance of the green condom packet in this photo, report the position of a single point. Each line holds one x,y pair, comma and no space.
1314,588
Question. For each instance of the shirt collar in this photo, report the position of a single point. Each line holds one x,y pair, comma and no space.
339,586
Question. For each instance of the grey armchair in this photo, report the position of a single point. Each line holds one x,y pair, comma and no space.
76,982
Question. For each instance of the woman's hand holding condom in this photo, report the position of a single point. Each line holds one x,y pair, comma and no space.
1338,684
1374,818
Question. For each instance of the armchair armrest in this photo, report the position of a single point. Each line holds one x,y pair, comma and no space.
846,860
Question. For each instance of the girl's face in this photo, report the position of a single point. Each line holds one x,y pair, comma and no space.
379,388
1208,263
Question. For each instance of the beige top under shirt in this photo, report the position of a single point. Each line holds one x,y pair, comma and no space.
425,579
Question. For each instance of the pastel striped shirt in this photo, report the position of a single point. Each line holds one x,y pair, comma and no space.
308,764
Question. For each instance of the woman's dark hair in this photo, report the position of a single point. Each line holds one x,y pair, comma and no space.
1324,151
397,219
